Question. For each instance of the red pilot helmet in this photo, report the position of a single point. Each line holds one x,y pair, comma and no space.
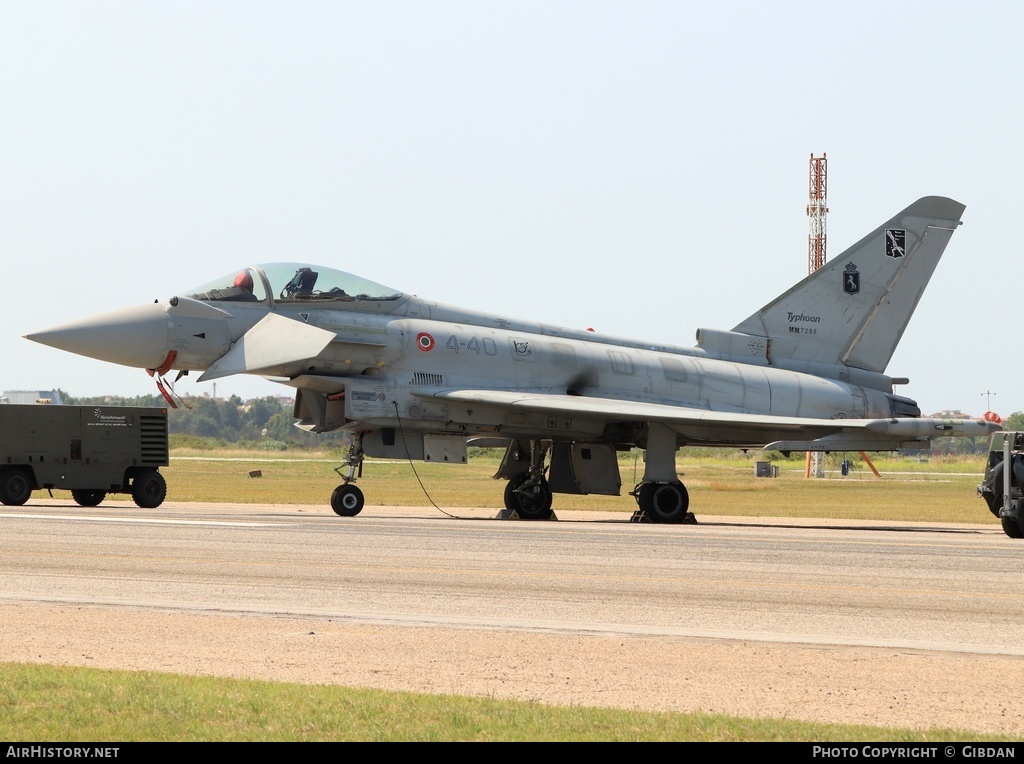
244,280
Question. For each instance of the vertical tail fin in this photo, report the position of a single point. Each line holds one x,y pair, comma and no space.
854,309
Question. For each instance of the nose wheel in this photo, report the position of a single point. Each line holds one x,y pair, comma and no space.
347,500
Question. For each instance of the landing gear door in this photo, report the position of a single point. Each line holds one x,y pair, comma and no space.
450,449
389,443
516,460
584,468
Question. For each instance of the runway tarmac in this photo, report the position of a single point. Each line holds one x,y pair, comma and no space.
884,623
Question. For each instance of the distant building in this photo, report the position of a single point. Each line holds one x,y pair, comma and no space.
51,397
951,414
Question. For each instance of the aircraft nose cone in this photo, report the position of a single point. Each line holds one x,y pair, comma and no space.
135,337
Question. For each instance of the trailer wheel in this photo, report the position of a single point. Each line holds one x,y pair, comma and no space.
149,489
87,497
15,487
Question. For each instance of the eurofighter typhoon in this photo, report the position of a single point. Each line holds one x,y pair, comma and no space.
406,377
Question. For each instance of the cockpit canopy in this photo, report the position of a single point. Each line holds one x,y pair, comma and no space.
291,283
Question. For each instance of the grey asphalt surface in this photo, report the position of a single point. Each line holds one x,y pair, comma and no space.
882,623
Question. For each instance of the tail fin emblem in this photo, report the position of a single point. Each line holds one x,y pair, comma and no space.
895,242
851,279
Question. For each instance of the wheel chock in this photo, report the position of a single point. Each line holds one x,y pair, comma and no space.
511,514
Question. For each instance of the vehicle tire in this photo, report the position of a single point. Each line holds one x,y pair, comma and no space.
994,490
15,487
347,500
664,502
149,489
533,504
1011,527
87,497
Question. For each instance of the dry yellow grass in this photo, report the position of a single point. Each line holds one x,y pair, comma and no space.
942,490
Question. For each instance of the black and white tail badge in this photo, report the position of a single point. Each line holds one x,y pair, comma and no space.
851,279
895,242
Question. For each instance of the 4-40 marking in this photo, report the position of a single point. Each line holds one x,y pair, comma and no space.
474,345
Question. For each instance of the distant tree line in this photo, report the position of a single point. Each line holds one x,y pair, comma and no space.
268,423
261,423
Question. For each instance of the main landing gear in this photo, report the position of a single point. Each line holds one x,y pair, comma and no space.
661,497
347,500
662,503
527,494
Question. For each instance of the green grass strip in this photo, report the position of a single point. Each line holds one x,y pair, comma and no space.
67,704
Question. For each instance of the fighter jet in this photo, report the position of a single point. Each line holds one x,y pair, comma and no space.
409,378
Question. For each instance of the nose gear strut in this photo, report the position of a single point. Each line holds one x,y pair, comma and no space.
347,500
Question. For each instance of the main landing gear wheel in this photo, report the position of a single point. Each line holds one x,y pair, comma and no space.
530,502
87,497
665,503
15,487
149,489
347,500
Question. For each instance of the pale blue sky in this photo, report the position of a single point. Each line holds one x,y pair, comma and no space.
639,167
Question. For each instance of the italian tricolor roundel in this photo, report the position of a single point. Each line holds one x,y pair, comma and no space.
424,341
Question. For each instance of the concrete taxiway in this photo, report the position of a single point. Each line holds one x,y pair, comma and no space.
807,619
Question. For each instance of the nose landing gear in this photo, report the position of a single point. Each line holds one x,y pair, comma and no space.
347,500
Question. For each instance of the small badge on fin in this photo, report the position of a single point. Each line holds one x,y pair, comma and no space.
895,242
851,279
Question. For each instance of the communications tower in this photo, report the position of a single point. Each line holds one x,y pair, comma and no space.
817,208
